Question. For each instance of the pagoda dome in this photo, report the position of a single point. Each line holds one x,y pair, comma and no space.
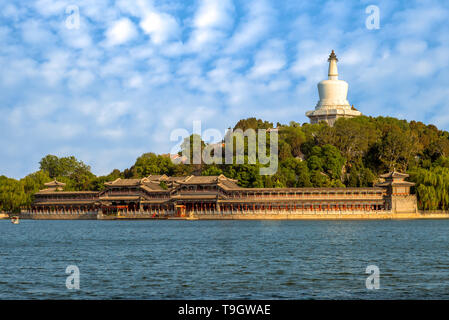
333,92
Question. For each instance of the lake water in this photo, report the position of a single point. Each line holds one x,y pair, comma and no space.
224,259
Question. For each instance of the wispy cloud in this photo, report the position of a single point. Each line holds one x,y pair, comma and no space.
253,26
212,19
121,31
269,60
134,70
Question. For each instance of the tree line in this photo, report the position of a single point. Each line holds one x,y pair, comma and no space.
352,153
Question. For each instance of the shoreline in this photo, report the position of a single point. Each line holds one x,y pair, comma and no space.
343,215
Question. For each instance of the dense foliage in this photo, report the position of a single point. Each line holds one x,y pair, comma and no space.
352,153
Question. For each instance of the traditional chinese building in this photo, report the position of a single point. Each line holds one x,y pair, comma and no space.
398,194
161,195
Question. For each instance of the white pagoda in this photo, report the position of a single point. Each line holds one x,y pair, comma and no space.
333,103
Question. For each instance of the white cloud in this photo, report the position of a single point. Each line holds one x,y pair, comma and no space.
51,7
418,20
17,71
13,12
80,79
55,68
411,46
253,27
271,59
311,56
135,81
108,114
120,32
213,14
35,32
212,18
116,67
75,92
160,26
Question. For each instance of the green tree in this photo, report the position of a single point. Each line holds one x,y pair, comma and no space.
192,147
397,148
12,195
432,187
62,167
247,174
32,183
294,137
150,163
69,170
212,170
253,123
303,174
319,179
360,176
352,136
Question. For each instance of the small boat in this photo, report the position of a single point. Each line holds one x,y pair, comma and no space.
15,220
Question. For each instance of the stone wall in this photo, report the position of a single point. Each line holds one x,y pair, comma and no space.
404,204
254,215
356,215
74,216
319,215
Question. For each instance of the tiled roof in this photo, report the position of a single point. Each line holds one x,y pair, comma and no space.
154,179
394,174
206,179
52,191
69,202
152,187
200,179
314,190
120,197
395,183
194,196
177,179
124,182
157,177
228,184
155,201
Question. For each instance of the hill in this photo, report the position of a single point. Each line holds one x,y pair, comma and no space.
352,153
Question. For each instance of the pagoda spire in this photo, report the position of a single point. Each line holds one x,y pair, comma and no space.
333,71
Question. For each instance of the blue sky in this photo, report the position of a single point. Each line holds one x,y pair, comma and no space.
134,71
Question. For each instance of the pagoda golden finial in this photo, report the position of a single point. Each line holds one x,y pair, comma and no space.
332,56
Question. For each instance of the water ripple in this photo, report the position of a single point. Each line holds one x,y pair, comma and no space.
224,259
